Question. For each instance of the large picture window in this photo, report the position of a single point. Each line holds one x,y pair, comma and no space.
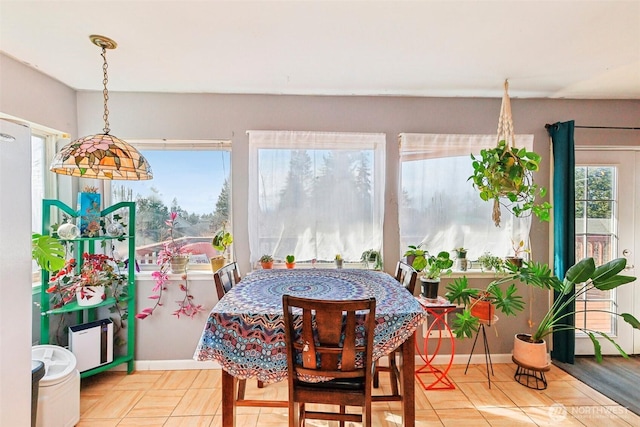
315,194
439,207
191,178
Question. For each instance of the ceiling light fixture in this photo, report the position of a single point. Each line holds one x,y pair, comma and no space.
102,156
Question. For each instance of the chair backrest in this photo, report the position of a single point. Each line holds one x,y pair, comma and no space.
406,275
322,340
225,278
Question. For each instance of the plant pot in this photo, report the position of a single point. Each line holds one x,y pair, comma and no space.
290,264
217,263
179,264
267,265
338,263
517,261
482,309
410,259
527,352
90,295
429,288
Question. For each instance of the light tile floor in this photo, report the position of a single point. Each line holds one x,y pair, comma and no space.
191,398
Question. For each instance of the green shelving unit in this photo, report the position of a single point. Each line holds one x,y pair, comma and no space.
51,209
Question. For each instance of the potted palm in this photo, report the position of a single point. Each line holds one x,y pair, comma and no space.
531,349
507,300
434,266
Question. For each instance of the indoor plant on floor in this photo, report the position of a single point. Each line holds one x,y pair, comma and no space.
507,301
532,349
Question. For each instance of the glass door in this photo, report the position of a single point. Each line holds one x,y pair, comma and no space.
606,214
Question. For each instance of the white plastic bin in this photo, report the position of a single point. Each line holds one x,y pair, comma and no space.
59,391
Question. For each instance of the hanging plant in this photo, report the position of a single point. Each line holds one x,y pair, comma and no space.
504,174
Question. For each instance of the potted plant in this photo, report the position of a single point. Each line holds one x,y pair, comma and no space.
290,261
98,276
532,350
172,258
518,249
338,260
489,262
461,259
372,256
434,267
507,301
266,261
221,242
504,175
416,252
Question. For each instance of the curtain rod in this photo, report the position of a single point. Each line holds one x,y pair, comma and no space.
547,126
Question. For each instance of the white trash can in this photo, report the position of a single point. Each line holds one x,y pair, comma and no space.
59,391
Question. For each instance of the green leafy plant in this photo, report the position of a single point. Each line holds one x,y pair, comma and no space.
372,256
222,239
490,262
266,258
505,173
415,252
435,265
585,274
47,252
507,301
290,259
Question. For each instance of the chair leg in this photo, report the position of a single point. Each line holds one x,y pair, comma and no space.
260,384
376,376
242,387
342,412
394,374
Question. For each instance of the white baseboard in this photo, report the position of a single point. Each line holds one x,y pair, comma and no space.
178,365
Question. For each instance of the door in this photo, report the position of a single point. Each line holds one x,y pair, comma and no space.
607,201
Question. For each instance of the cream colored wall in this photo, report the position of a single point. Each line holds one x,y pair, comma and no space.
203,116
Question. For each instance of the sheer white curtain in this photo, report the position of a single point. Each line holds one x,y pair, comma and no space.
315,194
439,207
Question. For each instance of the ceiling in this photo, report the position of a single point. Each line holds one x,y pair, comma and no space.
547,49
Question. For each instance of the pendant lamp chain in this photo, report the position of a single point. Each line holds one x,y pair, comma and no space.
105,91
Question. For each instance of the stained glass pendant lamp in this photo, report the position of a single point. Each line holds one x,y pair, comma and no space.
102,156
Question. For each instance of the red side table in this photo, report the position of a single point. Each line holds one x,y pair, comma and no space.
438,309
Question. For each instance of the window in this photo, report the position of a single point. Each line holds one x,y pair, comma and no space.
315,194
596,236
439,207
189,177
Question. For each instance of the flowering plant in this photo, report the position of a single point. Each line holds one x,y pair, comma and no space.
171,249
96,270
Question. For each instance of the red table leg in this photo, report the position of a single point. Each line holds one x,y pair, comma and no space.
441,382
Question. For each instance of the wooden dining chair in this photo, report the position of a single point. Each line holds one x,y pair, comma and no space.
322,343
225,278
407,276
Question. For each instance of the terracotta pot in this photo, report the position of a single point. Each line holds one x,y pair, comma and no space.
533,354
90,295
481,309
267,265
290,264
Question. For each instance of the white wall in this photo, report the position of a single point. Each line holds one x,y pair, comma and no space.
15,276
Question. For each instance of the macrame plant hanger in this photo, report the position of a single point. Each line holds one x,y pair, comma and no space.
505,133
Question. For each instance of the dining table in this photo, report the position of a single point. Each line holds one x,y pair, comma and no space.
245,334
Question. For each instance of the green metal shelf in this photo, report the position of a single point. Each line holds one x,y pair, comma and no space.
87,314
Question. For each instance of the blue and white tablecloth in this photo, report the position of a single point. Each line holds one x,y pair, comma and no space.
245,330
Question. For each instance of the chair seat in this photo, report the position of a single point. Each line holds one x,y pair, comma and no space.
336,384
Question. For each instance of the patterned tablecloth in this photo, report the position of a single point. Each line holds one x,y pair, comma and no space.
245,330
